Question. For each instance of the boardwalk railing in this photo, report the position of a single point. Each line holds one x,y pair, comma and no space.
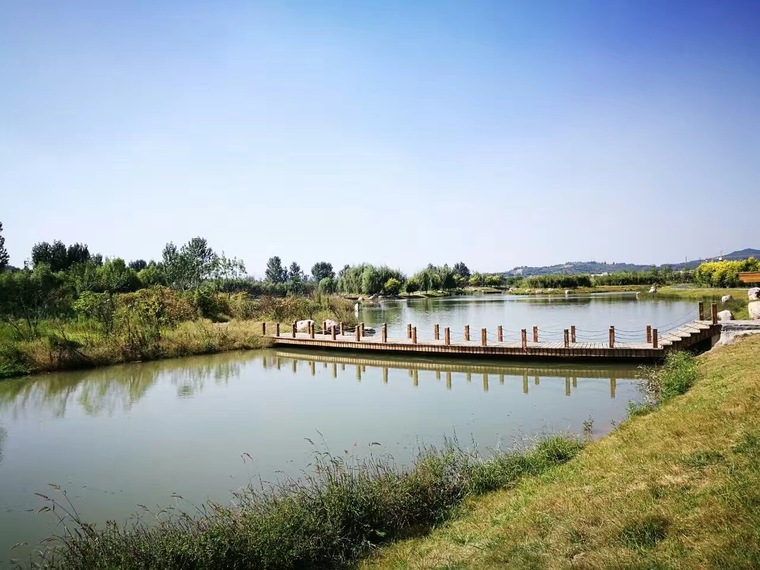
650,343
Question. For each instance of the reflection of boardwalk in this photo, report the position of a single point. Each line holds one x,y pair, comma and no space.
456,366
652,347
485,373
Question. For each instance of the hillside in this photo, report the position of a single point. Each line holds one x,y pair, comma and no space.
596,267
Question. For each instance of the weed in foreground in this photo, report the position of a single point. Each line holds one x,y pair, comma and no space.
326,519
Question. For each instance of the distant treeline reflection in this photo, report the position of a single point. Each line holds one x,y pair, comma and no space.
104,391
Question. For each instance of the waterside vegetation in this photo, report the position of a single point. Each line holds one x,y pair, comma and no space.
328,519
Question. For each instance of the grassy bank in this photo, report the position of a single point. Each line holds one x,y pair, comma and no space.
154,324
69,346
327,520
678,488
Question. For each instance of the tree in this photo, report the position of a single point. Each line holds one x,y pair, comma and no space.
138,264
392,286
4,257
275,272
326,285
322,269
462,270
412,285
116,277
77,253
187,267
295,273
54,256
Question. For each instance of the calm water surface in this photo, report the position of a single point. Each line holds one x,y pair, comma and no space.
136,434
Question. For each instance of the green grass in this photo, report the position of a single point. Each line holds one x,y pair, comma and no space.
328,519
675,487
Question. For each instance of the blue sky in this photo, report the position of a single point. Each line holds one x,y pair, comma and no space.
498,133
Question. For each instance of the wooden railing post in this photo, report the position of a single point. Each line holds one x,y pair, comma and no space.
357,334
263,329
437,332
466,332
654,338
384,332
361,329
342,329
524,339
612,337
447,336
500,334
312,327
414,335
409,330
294,329
714,311
483,337
535,334
701,311
324,328
649,333
567,338
332,332
277,329
572,334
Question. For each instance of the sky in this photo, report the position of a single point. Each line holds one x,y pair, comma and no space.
500,134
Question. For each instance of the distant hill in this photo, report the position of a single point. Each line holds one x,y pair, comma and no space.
597,267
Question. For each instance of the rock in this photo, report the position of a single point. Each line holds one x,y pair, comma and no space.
725,316
726,298
539,291
303,326
330,324
567,292
754,310
653,289
754,294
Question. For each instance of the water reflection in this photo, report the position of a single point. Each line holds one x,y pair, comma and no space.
488,371
104,391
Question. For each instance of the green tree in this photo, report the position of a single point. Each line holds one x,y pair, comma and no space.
392,286
54,255
4,257
138,264
116,277
275,272
187,267
462,270
412,285
326,285
295,273
77,253
322,269
494,280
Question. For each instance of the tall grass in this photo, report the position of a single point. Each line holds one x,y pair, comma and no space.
327,519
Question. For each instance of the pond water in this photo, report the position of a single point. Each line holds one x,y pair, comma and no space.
203,427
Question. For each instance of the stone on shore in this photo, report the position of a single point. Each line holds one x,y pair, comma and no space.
754,310
754,294
726,298
725,316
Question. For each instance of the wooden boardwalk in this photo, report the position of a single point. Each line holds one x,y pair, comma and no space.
685,337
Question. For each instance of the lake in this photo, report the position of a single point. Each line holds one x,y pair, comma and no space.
203,427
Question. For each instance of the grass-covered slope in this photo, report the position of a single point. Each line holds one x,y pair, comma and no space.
678,488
